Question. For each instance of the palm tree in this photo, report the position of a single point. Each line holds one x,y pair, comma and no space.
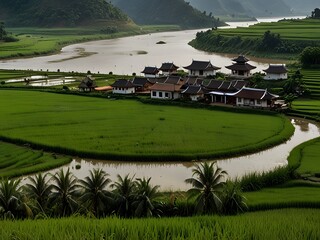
208,181
39,189
124,190
64,193
233,200
95,194
12,203
144,200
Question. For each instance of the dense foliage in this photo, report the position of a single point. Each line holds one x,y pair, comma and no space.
58,13
310,56
166,12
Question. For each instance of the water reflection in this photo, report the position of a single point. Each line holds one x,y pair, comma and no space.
171,176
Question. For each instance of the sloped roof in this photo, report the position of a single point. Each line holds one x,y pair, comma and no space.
241,67
158,79
214,84
150,70
167,67
88,82
193,90
201,65
240,59
140,81
277,69
254,93
122,83
166,87
238,84
174,80
192,80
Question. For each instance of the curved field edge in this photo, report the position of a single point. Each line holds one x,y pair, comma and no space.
285,224
17,160
91,111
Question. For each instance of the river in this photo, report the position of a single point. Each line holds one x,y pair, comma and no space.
131,54
171,176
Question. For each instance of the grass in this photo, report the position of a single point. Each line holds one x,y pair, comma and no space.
16,161
280,224
128,129
40,41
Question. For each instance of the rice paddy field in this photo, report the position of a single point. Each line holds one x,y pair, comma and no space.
298,30
128,129
16,160
277,224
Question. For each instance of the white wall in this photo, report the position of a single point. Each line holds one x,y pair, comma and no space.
164,95
205,73
252,102
123,90
273,76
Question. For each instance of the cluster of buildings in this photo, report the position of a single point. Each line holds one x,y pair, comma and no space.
165,83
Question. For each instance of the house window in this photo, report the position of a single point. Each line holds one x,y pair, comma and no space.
200,72
259,102
166,95
154,94
160,94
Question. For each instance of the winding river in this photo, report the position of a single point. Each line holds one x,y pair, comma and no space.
131,54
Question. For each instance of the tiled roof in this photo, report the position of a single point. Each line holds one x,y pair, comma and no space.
140,81
174,80
166,87
240,59
122,83
241,67
194,81
150,70
193,90
167,67
253,93
278,69
201,65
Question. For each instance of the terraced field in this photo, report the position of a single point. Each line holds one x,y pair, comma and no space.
312,81
17,161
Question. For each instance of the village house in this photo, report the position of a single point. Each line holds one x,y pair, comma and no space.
87,84
241,69
151,72
165,91
193,92
168,68
202,68
276,72
141,84
123,86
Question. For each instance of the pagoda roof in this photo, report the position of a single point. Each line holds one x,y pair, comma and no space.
140,81
240,59
150,70
241,67
201,65
167,67
278,69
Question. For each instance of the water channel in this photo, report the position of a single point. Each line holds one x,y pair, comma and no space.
131,54
171,176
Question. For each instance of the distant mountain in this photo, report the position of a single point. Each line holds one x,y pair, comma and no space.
304,7
176,12
57,12
252,8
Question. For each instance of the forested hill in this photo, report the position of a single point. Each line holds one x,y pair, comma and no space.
57,12
253,8
176,12
302,7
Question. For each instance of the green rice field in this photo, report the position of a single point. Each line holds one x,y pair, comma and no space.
299,30
128,129
16,161
288,224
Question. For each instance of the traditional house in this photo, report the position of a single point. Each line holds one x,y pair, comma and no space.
87,84
123,86
241,68
151,72
141,84
275,72
174,80
253,97
202,68
165,91
195,93
168,68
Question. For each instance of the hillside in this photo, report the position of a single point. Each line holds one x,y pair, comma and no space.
165,12
238,8
304,7
47,13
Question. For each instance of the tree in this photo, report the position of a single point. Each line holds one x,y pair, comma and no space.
94,192
144,200
315,13
208,181
270,41
310,56
12,204
294,84
64,193
233,199
124,190
3,32
39,189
